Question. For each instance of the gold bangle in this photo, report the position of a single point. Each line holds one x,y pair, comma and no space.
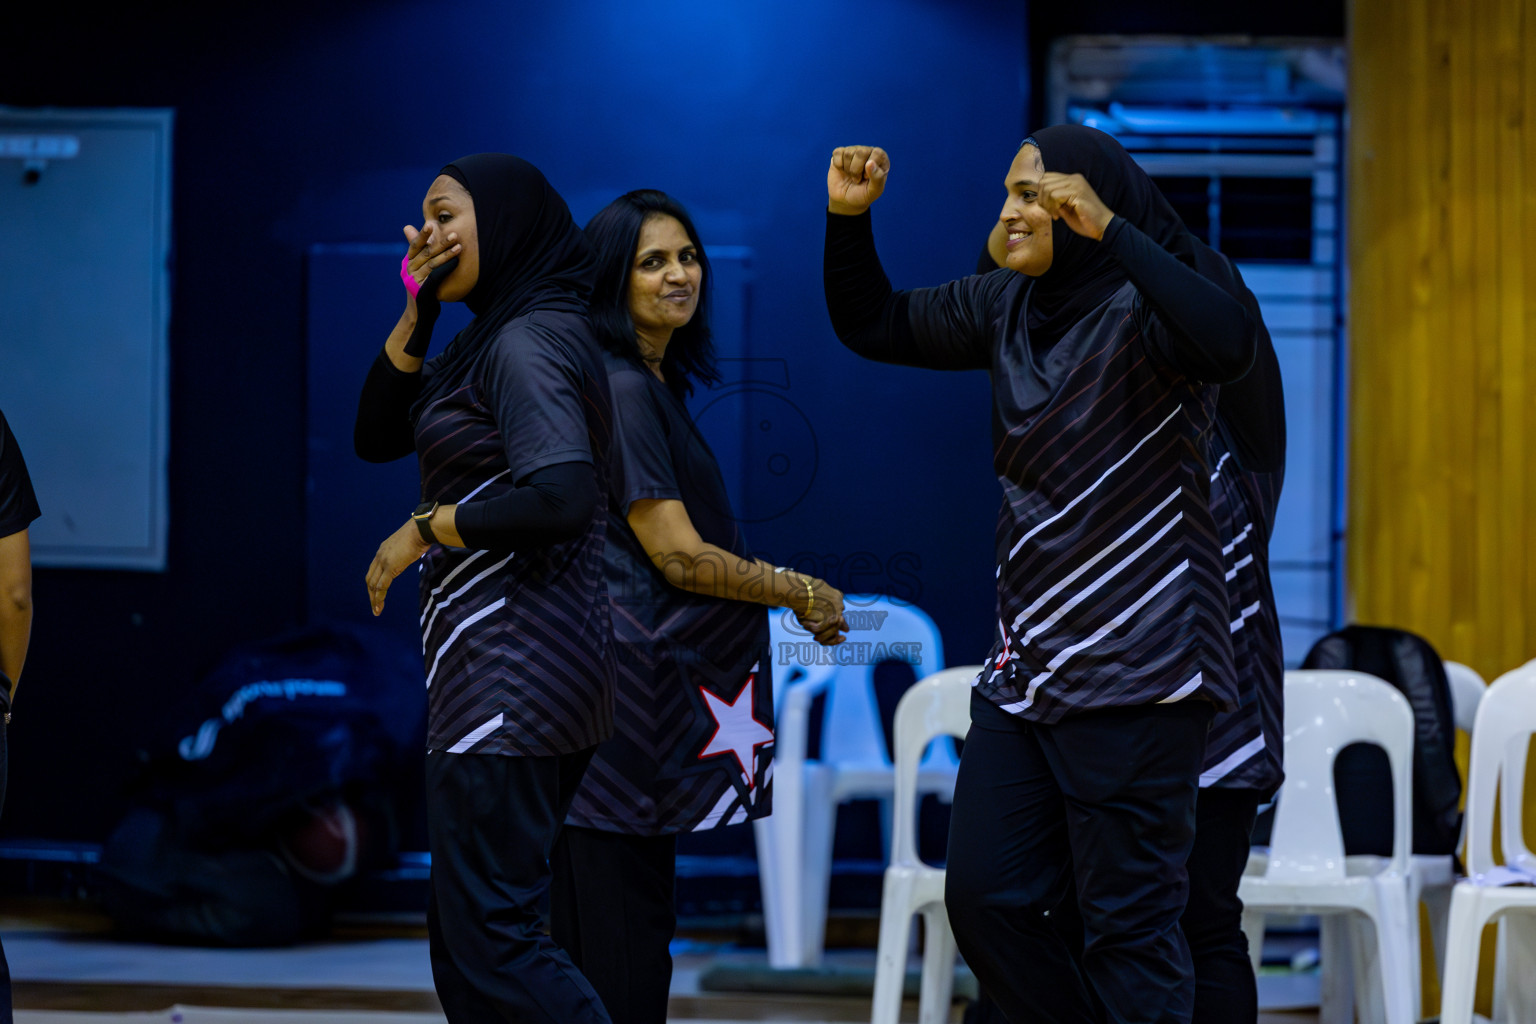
810,598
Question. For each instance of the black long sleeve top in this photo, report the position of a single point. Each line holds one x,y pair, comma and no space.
551,504
1250,412
1111,584
1210,337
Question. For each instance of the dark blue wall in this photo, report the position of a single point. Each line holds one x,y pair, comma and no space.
319,123
299,125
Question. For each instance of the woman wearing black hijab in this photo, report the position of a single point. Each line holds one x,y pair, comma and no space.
1243,767
1113,649
510,424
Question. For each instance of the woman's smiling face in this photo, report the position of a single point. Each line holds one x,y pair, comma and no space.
1030,245
665,278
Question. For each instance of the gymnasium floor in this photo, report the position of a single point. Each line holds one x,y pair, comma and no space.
68,972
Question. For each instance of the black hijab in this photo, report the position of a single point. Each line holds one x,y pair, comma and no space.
532,256
1083,274
1251,411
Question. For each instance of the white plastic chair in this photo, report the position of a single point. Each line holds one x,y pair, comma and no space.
937,706
794,844
795,685
1500,745
1467,689
1431,878
1306,871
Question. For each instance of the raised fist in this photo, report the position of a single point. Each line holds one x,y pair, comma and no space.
1069,197
856,178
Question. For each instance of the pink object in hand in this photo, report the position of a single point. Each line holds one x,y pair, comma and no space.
411,285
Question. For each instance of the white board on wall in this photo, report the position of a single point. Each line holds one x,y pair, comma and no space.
84,311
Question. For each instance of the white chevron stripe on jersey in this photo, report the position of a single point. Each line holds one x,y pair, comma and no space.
483,486
1242,535
476,734
445,602
442,648
1103,631
1088,591
1241,563
1232,761
718,811
1244,615
447,580
1095,485
1090,563
1219,463
1185,690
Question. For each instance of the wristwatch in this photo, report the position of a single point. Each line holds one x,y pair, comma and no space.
422,517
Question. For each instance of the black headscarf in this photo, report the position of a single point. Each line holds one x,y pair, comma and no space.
1083,274
1251,411
532,256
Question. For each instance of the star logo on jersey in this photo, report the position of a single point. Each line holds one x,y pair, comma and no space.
736,732
1007,652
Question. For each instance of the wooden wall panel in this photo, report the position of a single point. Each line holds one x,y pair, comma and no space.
1442,259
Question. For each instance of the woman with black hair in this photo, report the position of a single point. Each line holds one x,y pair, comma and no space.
511,425
1113,648
693,737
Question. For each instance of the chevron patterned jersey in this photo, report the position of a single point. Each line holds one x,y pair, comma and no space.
693,713
517,643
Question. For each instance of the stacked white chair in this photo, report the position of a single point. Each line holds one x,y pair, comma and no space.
796,684
1431,878
1467,689
937,706
1500,745
1306,870
794,844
